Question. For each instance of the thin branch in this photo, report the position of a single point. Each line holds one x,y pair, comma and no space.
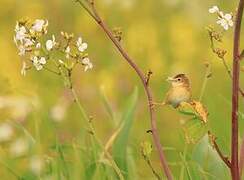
216,147
235,94
152,169
147,89
207,75
215,51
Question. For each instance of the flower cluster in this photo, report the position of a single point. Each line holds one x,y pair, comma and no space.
224,20
31,41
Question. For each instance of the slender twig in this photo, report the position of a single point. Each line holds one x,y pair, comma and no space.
224,62
152,169
235,94
212,139
206,78
141,76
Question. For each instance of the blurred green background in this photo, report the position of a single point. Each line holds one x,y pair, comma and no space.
166,36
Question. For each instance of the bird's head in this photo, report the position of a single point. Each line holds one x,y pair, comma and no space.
179,80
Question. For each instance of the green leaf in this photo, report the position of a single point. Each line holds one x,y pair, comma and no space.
107,104
194,129
187,109
119,149
208,161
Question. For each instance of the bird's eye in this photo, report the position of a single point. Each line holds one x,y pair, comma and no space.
178,79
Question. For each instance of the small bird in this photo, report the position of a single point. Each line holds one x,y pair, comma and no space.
180,91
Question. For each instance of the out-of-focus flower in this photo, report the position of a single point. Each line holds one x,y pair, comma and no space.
19,147
58,112
6,132
82,46
224,20
38,62
51,43
36,164
39,25
87,63
213,9
67,51
18,107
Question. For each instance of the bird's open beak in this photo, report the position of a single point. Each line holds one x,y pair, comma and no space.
170,79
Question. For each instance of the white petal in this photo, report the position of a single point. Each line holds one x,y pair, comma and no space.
231,23
38,25
79,41
42,60
84,45
28,42
214,9
38,45
38,67
49,45
228,16
226,26
86,60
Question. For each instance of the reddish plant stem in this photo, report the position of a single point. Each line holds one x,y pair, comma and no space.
147,89
235,95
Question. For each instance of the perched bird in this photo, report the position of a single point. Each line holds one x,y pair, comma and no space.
180,91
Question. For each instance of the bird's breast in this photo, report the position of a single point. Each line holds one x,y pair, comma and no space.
177,95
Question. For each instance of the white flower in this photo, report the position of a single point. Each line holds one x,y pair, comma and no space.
19,147
20,33
87,63
50,43
28,42
23,69
6,132
81,46
38,45
225,20
39,25
38,62
67,51
213,9
36,164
